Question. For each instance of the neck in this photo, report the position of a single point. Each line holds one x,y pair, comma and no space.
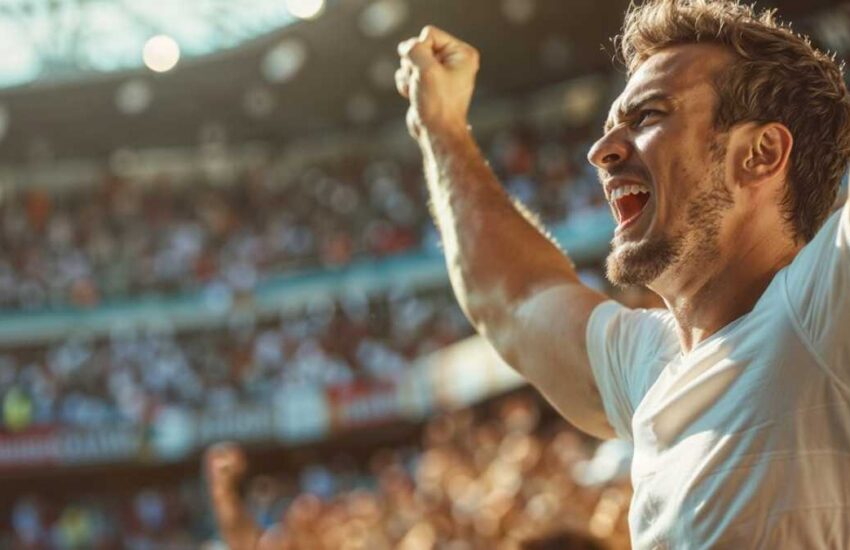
703,301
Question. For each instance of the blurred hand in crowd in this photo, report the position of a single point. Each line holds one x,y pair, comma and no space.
225,468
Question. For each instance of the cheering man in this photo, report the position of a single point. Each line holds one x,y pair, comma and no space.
721,160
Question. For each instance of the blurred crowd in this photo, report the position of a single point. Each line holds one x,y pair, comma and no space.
498,478
120,239
471,483
83,245
129,376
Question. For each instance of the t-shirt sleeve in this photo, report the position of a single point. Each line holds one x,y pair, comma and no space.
627,349
817,286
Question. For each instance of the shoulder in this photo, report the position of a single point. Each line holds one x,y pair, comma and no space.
636,333
611,315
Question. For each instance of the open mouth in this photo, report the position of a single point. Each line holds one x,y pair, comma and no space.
629,203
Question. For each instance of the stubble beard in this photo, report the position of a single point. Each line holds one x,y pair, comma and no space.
640,263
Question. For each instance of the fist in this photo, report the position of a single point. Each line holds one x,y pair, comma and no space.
225,465
437,75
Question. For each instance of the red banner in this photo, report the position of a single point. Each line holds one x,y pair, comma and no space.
362,404
37,447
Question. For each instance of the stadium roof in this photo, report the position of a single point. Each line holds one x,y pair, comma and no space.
272,86
69,39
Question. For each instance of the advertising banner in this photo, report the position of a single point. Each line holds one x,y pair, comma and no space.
359,405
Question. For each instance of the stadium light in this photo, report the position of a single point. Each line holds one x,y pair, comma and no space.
284,60
519,12
383,17
305,9
133,97
382,72
258,102
161,53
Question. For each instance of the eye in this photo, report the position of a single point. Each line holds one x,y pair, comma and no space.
646,116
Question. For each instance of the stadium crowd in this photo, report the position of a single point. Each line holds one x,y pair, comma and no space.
470,483
494,478
86,245
127,377
82,246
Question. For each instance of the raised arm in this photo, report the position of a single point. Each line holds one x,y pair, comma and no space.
515,285
224,467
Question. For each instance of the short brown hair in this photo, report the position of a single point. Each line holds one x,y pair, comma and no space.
778,76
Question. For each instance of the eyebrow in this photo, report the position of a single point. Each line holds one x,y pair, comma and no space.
633,105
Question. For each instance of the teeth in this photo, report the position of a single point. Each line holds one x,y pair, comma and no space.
633,189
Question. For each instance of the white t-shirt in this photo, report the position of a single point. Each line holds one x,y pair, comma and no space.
745,441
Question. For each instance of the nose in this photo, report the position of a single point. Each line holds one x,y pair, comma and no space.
611,149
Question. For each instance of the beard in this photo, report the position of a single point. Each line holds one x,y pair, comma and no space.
640,263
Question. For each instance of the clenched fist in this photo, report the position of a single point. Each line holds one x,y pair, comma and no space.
225,466
437,75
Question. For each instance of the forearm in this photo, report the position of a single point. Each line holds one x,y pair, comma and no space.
235,525
496,254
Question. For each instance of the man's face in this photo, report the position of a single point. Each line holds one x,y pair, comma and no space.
663,166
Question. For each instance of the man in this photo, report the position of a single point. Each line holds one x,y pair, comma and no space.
721,160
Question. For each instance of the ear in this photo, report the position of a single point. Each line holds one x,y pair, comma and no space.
766,151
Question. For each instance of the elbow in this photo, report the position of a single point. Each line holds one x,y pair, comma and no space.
497,325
